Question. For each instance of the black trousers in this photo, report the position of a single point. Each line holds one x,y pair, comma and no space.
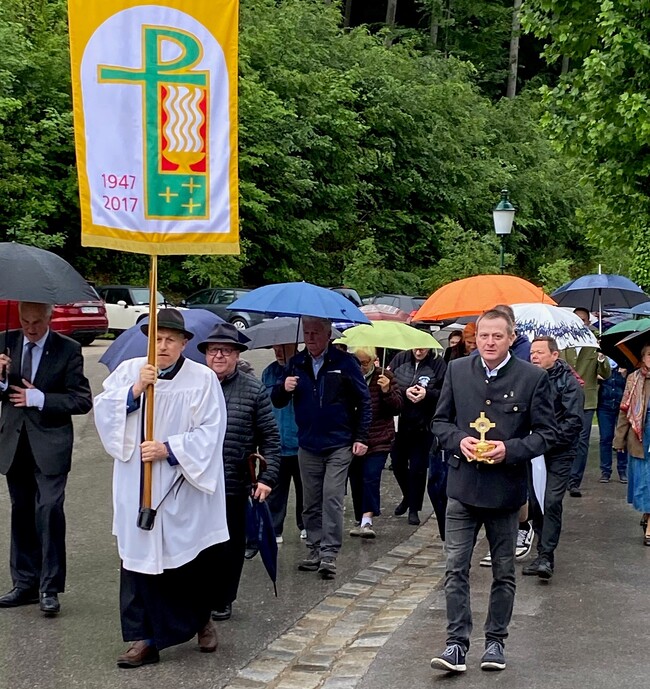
37,553
410,455
548,525
279,496
231,553
168,608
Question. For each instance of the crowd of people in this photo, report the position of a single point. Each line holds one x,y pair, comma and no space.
469,429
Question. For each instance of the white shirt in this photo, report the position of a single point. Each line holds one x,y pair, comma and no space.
33,397
495,370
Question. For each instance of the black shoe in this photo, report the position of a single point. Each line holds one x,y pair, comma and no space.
401,509
49,604
574,492
531,569
17,597
250,553
327,568
493,658
414,519
222,614
451,659
545,569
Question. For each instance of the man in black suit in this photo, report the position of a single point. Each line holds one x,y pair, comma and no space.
516,399
42,384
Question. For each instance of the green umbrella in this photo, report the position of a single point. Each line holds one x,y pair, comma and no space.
390,335
613,336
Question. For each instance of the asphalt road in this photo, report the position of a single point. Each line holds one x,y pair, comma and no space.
79,647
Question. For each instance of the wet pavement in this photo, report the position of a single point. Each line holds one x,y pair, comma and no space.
375,626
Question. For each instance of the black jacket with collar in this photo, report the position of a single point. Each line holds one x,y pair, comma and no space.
60,377
250,427
429,373
519,401
568,402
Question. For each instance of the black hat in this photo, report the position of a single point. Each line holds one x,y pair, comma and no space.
171,319
225,333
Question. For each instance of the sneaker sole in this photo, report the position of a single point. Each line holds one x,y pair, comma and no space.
309,568
545,576
492,665
326,574
355,534
483,563
440,664
365,534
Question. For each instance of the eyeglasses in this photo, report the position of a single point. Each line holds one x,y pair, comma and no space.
224,351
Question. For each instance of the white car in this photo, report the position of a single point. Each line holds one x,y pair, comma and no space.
126,305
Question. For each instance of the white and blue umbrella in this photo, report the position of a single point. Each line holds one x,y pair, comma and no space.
535,320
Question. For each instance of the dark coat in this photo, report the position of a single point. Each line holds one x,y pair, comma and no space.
60,376
250,427
385,406
430,372
520,402
332,409
568,403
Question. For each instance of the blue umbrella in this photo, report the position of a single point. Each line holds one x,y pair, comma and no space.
260,535
132,343
299,299
642,309
600,292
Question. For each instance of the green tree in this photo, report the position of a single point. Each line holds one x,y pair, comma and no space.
598,110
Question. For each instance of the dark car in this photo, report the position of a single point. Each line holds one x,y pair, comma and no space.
217,299
83,321
348,293
407,304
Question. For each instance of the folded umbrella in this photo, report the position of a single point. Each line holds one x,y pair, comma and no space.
132,343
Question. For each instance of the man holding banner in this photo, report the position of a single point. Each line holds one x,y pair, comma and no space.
165,585
155,111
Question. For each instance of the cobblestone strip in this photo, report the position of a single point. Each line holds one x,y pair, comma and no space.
333,645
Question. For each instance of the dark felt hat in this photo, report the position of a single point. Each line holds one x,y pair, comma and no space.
172,319
225,333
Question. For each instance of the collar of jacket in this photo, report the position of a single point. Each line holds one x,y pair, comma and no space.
502,371
228,379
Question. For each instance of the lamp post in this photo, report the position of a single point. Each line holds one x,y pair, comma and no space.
503,214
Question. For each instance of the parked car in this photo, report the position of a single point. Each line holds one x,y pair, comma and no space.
407,304
83,321
217,299
126,305
348,293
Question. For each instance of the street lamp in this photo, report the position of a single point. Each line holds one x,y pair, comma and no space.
504,214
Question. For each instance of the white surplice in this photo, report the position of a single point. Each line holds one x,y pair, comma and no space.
189,414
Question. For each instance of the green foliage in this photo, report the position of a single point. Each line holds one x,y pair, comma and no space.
360,163
598,111
554,275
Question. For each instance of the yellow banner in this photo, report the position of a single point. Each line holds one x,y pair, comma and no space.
155,113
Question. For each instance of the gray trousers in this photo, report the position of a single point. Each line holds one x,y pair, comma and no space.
323,492
463,524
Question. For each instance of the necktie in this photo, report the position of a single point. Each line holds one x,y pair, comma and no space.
27,362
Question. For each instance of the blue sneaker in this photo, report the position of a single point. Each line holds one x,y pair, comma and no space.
451,660
493,658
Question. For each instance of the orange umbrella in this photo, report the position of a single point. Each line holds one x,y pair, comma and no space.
474,295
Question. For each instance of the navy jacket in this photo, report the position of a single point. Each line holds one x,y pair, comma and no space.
332,410
520,402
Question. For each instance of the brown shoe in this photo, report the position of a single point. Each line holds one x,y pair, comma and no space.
137,654
207,638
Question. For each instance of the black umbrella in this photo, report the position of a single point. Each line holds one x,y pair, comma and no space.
260,536
31,274
632,345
